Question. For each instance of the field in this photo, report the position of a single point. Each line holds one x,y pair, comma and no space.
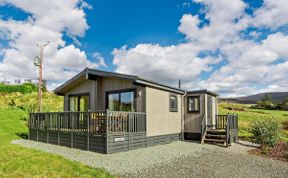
247,115
16,161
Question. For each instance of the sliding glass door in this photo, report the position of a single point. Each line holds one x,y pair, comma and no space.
79,102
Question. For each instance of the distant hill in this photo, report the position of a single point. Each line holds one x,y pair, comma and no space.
277,97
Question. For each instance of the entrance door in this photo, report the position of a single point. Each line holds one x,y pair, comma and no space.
209,112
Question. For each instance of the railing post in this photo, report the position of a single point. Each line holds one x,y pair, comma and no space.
58,127
236,138
71,118
107,125
88,125
29,126
37,127
48,124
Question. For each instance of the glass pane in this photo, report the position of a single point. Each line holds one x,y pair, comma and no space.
127,100
173,102
73,103
193,104
113,102
84,103
196,104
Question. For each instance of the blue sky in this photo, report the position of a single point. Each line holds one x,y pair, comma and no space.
233,48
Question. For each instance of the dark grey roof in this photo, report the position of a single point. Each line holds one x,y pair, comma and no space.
202,91
134,78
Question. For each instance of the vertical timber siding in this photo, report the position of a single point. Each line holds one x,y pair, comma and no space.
88,86
160,121
112,84
97,91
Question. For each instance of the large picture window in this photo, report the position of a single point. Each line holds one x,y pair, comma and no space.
121,100
173,103
79,102
194,104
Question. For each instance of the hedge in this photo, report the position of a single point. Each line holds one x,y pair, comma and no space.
24,88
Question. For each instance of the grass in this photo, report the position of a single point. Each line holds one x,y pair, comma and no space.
17,161
247,115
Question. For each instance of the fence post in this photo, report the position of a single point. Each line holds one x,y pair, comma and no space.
88,125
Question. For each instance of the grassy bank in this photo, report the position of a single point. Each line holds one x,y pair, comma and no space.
247,115
16,161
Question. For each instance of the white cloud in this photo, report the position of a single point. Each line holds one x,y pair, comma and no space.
248,64
273,14
49,20
169,63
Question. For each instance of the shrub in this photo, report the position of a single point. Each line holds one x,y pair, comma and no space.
266,132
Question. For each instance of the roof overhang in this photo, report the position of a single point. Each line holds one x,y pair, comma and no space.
202,91
92,74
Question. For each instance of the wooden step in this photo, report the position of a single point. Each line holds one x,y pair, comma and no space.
216,131
213,135
215,140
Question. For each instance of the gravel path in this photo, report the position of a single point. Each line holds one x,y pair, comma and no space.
178,159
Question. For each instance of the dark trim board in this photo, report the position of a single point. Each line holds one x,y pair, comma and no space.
192,136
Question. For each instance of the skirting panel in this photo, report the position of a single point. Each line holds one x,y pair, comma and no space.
125,142
99,143
192,136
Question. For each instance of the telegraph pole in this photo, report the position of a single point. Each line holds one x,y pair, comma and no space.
40,62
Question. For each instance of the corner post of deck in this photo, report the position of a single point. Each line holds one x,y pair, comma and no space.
71,117
38,125
29,125
88,127
58,126
106,134
47,127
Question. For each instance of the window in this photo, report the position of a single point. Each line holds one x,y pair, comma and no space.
173,103
194,104
121,100
79,102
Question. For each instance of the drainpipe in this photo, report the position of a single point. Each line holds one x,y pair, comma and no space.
183,116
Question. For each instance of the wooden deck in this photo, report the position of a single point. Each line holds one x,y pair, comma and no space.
100,131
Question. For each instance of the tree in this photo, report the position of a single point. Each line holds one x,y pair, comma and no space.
267,98
285,103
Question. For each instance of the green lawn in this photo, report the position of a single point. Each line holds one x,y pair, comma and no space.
247,115
16,161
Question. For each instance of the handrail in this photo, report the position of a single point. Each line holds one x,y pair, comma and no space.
203,126
227,129
231,128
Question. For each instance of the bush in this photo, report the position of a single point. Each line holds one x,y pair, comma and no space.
266,132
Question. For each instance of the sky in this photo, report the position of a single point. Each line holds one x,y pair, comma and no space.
231,47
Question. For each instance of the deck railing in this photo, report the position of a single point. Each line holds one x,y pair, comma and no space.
221,121
97,122
126,122
228,122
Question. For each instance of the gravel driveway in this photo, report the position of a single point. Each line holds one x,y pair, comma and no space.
178,159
